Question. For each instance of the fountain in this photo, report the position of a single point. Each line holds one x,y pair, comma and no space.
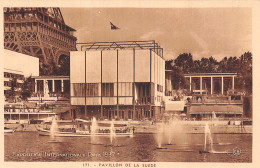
53,129
93,131
112,132
171,129
207,137
160,135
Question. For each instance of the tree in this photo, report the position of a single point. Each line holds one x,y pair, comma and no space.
185,62
233,64
213,64
26,88
196,66
12,92
178,79
246,71
169,64
222,65
64,66
207,65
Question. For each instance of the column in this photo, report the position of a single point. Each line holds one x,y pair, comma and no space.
35,90
53,86
62,85
101,111
150,111
233,83
44,83
222,85
211,85
190,83
200,85
117,108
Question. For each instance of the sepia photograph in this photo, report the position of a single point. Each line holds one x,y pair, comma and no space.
105,86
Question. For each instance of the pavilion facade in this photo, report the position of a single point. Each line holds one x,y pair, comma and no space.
211,83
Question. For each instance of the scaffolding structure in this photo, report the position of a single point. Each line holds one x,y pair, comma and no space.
138,45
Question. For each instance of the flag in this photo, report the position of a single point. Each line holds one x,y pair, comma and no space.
113,27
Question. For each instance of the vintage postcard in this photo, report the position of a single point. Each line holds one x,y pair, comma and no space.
116,84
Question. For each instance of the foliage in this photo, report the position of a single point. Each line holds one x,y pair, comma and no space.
26,88
179,80
52,69
12,92
185,64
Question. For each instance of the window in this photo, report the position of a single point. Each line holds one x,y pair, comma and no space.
5,83
144,90
92,89
78,89
159,88
125,89
108,89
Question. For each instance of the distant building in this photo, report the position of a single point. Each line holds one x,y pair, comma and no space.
50,88
213,94
120,80
203,106
211,83
18,66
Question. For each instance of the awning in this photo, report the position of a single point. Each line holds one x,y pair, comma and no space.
174,106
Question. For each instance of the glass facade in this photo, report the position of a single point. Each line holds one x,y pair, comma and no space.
78,89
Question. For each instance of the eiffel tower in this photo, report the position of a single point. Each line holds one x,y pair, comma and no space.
42,33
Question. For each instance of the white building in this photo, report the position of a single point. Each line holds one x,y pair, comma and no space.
123,80
18,65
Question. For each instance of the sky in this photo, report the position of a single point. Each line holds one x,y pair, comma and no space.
203,32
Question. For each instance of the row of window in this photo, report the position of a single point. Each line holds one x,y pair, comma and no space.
11,75
107,89
6,83
79,89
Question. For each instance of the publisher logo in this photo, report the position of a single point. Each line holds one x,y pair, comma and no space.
236,151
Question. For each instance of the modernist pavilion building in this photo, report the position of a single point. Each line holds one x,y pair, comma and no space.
120,80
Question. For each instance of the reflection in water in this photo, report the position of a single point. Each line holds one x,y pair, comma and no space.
142,147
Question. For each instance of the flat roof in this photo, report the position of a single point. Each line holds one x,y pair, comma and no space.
211,74
51,77
114,45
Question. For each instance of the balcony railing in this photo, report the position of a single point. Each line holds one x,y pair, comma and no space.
215,100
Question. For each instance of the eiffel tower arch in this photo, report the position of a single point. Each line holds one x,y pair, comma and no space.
42,33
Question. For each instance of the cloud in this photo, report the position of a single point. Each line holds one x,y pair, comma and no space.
151,35
202,43
220,56
169,54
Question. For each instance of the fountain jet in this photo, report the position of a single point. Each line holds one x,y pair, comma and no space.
54,129
112,132
93,131
207,137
